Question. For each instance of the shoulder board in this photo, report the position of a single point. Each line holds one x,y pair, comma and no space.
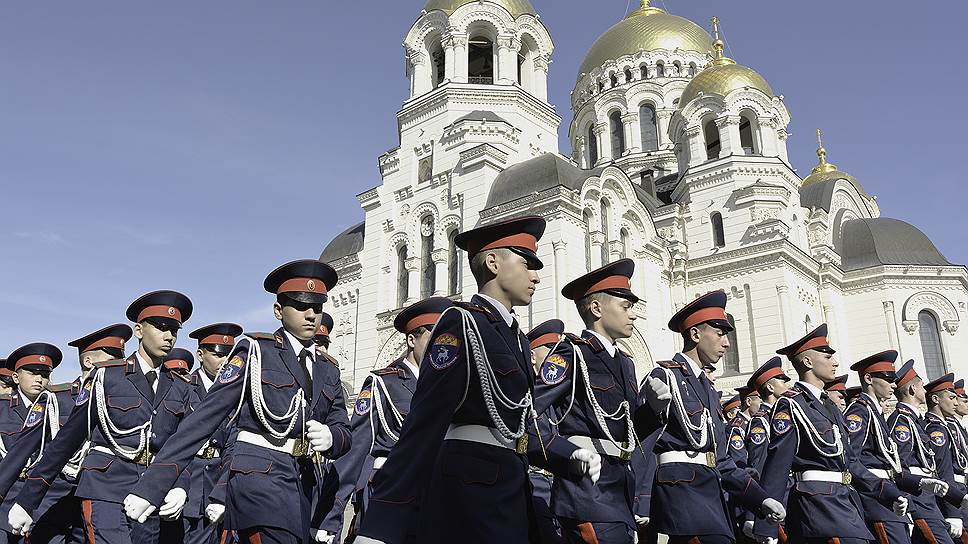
112,362
670,364
60,387
575,339
790,393
330,359
261,336
471,307
625,353
388,371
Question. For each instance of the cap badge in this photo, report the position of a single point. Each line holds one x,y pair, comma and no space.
311,285
171,311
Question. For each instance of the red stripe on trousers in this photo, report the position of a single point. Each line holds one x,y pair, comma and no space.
88,520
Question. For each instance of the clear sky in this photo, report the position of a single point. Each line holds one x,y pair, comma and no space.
196,145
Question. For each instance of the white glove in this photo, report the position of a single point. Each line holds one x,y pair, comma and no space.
641,521
765,539
933,486
319,435
214,512
137,508
586,463
955,527
174,502
323,537
658,394
748,529
19,520
367,540
773,510
900,506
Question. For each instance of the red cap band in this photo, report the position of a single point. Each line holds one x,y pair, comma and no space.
302,285
731,404
548,338
6,372
522,240
421,320
176,363
836,386
880,366
941,386
109,342
33,360
908,376
702,316
221,339
815,342
611,282
169,312
767,376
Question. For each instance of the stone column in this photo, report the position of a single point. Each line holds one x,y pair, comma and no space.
598,240
441,282
540,77
604,143
507,60
782,293
459,58
413,279
697,146
582,153
729,136
421,74
662,118
449,58
633,134
561,270
891,323
767,133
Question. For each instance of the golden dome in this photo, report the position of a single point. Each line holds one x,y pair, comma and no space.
825,171
645,29
514,7
722,75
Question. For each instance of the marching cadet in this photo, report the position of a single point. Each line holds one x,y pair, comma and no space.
180,362
731,407
679,406
836,390
459,470
738,426
543,339
914,450
942,403
587,388
771,382
871,440
321,338
130,408
808,438
203,512
960,437
288,407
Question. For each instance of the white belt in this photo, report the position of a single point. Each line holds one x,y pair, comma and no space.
291,446
693,457
918,471
604,447
882,473
960,478
378,462
485,435
823,476
143,458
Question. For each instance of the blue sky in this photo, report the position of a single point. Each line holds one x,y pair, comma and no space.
196,145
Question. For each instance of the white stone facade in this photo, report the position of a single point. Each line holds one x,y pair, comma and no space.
781,256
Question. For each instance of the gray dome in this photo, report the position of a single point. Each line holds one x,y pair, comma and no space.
348,242
820,194
885,241
536,175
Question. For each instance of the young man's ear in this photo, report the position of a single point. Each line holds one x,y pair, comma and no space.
277,310
695,334
867,379
139,331
411,341
595,308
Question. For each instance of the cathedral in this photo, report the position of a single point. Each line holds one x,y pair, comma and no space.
679,162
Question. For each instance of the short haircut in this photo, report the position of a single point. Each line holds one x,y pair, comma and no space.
479,268
584,306
687,343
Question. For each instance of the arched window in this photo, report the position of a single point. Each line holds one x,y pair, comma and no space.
719,235
613,79
628,75
428,275
677,71
453,263
746,137
931,351
605,209
660,69
480,61
437,64
618,134
649,127
403,276
592,147
587,218
644,71
692,69
731,357
626,250
713,146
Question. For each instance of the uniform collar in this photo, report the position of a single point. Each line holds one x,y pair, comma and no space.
696,369
813,389
23,398
606,343
911,407
874,402
506,315
203,377
414,369
297,346
143,364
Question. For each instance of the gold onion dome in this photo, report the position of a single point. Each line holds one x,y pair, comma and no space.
825,171
722,75
514,7
645,29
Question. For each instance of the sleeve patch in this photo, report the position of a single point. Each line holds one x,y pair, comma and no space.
902,433
35,416
232,370
444,351
854,423
363,402
736,440
85,393
938,438
554,369
757,434
782,422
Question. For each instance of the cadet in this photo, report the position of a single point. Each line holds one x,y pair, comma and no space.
136,404
837,391
808,438
202,513
730,408
379,412
587,386
870,437
30,406
680,407
914,450
288,406
321,338
942,403
459,470
737,427
961,440
543,340
7,384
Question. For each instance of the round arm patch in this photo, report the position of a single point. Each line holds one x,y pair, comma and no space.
363,402
757,433
444,351
35,416
554,369
855,423
938,438
902,433
232,370
736,439
782,422
85,393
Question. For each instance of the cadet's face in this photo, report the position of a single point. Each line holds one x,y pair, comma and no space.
5,389
917,388
883,389
299,318
419,342
779,387
754,404
88,358
514,277
538,356
962,407
32,382
211,362
617,316
157,339
947,401
711,343
838,399
824,365
731,413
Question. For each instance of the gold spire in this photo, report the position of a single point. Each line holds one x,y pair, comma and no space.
719,59
823,166
645,8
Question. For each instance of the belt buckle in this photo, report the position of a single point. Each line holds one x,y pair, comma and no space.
711,459
23,474
208,452
625,455
300,448
846,478
144,458
521,446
